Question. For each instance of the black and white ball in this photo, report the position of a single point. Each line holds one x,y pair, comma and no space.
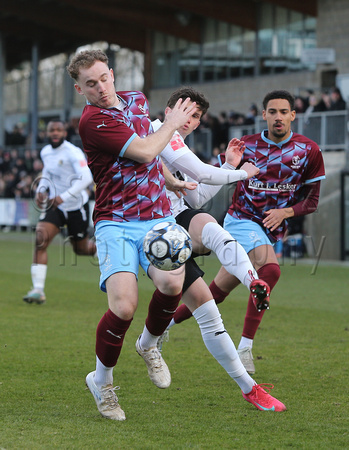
167,246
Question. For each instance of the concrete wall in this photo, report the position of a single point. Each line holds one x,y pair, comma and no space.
323,226
333,31
238,94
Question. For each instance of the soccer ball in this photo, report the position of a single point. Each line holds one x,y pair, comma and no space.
167,246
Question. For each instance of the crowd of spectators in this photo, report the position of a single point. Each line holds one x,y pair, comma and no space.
331,100
20,167
18,172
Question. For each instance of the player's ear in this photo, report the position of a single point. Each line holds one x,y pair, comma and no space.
78,89
167,110
112,74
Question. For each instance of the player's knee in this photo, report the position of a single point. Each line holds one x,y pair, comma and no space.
41,242
171,284
125,310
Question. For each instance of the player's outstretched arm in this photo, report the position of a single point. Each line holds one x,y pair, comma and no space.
175,185
144,150
234,152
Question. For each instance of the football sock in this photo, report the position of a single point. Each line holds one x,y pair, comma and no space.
245,342
161,310
220,345
269,273
103,375
218,295
230,253
38,274
182,313
110,335
147,340
173,322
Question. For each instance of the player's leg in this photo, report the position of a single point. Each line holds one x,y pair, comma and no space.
206,235
77,223
199,300
162,306
260,251
266,263
205,230
46,230
160,312
118,262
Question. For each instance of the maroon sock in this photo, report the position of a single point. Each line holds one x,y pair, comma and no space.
110,335
183,313
161,310
269,273
218,295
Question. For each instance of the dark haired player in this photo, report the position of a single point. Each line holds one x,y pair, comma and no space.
208,235
62,193
288,184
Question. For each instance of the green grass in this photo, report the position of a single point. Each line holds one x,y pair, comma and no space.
46,351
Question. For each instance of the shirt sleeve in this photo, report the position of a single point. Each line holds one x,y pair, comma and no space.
201,172
83,176
203,193
107,133
309,199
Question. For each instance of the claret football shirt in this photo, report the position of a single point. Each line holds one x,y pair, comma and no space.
125,189
284,169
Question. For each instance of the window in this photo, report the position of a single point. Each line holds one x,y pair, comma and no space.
228,51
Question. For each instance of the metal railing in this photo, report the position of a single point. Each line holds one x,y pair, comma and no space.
328,129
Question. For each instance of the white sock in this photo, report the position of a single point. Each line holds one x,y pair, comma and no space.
220,345
245,342
230,253
171,324
103,375
147,340
38,273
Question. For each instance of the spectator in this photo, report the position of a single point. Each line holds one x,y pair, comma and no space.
337,102
214,158
73,128
250,118
5,162
224,128
23,188
10,183
300,105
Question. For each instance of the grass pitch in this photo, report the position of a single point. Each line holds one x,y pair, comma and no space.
302,347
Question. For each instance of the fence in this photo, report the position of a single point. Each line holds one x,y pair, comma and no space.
328,129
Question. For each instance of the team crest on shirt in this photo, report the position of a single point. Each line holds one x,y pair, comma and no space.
176,143
142,108
295,162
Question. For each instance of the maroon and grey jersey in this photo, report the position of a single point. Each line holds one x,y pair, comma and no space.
125,189
284,169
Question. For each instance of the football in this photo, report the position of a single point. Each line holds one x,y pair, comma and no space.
167,246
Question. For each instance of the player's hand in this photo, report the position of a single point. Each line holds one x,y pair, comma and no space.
179,187
275,217
56,201
180,113
251,169
234,152
41,200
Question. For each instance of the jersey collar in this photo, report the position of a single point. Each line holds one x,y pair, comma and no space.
268,141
